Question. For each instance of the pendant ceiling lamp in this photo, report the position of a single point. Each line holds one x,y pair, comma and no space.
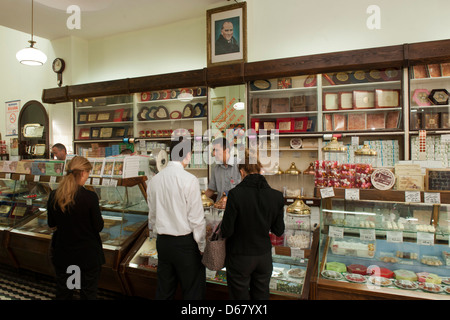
239,105
31,56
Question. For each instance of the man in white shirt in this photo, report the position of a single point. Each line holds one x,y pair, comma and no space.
176,216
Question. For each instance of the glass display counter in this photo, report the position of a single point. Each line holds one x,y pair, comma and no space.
124,210
383,249
21,199
293,264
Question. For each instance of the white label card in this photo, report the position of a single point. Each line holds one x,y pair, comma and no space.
327,192
432,197
36,178
351,194
425,238
394,236
412,196
336,232
297,253
367,234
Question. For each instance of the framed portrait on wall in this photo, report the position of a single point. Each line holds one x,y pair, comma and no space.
227,34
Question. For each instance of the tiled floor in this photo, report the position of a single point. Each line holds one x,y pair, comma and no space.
20,284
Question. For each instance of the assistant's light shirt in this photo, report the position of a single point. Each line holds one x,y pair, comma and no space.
175,204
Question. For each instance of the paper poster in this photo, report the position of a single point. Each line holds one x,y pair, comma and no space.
12,109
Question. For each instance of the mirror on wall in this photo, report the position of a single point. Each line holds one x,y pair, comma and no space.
228,110
33,131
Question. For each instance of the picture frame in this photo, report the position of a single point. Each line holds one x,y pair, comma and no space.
92,117
363,99
95,133
330,101
387,98
118,115
301,124
345,100
120,132
105,116
285,124
356,121
85,133
106,133
222,24
82,117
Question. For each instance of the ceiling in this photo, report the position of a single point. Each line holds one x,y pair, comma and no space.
99,18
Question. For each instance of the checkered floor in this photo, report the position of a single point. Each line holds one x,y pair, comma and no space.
20,284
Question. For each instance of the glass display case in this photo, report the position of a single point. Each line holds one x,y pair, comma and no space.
429,96
124,210
362,100
383,249
293,256
103,121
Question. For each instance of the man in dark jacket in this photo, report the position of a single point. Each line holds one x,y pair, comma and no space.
253,209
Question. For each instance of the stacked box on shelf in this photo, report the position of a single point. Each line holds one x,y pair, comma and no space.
435,149
387,152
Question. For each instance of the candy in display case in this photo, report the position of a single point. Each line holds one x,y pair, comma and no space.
382,249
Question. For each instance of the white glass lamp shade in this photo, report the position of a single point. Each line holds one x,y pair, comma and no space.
239,106
31,56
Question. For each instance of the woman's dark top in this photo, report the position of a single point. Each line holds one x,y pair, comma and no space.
253,209
77,240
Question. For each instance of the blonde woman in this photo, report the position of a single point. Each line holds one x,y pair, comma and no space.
75,214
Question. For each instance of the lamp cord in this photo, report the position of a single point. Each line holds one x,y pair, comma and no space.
32,22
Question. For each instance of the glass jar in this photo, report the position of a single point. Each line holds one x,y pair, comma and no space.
335,151
308,181
292,181
366,155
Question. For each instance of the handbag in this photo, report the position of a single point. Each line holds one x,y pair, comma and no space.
214,254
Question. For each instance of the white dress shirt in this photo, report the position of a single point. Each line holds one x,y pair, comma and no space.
175,204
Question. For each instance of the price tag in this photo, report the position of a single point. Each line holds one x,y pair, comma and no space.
106,182
425,238
412,196
22,177
95,181
8,176
53,179
432,197
355,141
327,192
394,236
336,232
29,202
36,178
297,253
367,234
351,194
113,182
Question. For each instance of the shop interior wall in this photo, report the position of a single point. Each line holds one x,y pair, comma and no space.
275,29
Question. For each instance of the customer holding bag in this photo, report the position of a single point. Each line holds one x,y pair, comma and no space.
253,209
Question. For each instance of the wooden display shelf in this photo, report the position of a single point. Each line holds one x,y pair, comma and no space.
381,195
